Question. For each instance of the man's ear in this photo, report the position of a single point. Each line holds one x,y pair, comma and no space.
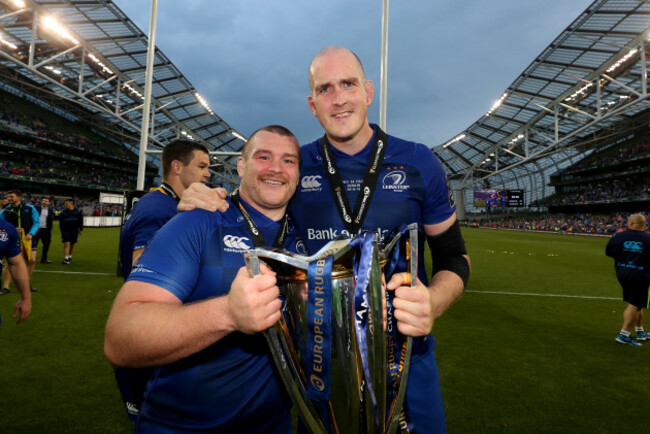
176,167
370,91
310,103
241,165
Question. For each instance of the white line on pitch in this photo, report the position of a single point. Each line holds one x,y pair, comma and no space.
544,295
75,272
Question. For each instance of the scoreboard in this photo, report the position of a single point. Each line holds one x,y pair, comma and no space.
499,198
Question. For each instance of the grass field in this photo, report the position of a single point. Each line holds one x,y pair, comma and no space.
529,348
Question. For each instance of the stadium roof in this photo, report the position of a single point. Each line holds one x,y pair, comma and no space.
584,90
90,53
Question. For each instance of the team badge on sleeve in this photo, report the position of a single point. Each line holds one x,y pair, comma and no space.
452,202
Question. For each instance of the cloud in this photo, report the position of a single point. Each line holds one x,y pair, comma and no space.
448,61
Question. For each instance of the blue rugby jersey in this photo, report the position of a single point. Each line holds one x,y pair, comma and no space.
411,188
149,214
230,386
9,241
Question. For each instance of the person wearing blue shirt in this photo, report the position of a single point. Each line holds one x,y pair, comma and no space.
356,178
26,220
630,250
71,223
190,310
183,162
10,250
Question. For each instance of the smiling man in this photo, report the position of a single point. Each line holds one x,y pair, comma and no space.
190,310
364,179
391,182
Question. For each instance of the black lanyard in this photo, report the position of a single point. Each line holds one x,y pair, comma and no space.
256,235
165,188
354,220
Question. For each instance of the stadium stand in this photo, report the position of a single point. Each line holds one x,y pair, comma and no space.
43,153
616,177
585,94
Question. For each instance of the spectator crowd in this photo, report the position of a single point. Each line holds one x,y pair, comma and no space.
560,223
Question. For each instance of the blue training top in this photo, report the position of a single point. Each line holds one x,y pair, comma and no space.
631,252
149,214
231,385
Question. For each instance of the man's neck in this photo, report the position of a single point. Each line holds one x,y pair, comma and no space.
176,185
355,144
273,214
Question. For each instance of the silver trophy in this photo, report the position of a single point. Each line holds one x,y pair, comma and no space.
336,346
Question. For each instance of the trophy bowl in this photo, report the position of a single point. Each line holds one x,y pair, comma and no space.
336,346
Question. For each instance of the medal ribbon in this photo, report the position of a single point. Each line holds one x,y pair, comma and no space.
319,329
165,188
352,220
396,340
362,265
253,230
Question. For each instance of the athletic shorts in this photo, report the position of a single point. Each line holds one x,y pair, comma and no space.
423,400
635,291
69,237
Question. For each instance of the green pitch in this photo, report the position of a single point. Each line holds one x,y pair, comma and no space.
529,348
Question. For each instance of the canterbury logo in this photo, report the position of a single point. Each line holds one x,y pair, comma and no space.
633,246
236,242
311,181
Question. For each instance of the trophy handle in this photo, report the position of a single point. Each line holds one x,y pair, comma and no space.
286,365
412,260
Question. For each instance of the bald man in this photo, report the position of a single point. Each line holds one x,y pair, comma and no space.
631,252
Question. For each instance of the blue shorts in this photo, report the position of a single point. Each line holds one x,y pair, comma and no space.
69,236
635,291
423,396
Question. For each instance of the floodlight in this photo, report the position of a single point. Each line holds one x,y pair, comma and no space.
7,43
622,60
238,136
53,70
454,140
203,102
497,104
51,23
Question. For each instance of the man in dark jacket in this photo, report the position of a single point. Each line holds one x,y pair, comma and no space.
44,233
631,252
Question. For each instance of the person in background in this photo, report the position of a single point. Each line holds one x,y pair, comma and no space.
10,251
630,250
44,233
71,221
26,220
183,162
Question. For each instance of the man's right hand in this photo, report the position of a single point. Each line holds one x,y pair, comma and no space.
199,195
253,302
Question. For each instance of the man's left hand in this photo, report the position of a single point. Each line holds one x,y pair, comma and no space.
22,310
28,237
414,307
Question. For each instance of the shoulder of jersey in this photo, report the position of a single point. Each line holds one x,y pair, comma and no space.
309,152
